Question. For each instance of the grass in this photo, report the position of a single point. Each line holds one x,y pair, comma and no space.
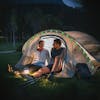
59,88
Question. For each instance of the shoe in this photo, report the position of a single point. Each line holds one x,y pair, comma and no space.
50,76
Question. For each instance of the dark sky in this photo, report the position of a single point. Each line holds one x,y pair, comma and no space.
90,6
29,1
88,2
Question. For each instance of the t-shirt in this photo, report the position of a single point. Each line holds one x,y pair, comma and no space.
54,53
40,57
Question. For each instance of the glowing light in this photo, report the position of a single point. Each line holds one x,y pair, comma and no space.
17,74
26,71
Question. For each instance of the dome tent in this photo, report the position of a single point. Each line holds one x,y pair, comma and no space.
76,53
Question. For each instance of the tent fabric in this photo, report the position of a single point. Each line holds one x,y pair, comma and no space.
76,53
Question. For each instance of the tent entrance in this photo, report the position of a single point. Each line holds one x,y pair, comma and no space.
48,41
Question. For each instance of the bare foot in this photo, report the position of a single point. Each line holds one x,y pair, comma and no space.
10,68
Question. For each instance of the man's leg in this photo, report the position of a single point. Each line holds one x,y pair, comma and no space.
13,68
41,71
57,66
33,68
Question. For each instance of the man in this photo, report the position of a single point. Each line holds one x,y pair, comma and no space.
40,55
55,65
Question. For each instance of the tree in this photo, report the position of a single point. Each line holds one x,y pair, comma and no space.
11,26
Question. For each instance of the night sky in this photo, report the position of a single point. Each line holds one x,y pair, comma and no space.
90,8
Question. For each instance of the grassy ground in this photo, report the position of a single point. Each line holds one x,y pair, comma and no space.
59,88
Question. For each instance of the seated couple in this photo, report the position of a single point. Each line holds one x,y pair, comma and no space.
41,55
